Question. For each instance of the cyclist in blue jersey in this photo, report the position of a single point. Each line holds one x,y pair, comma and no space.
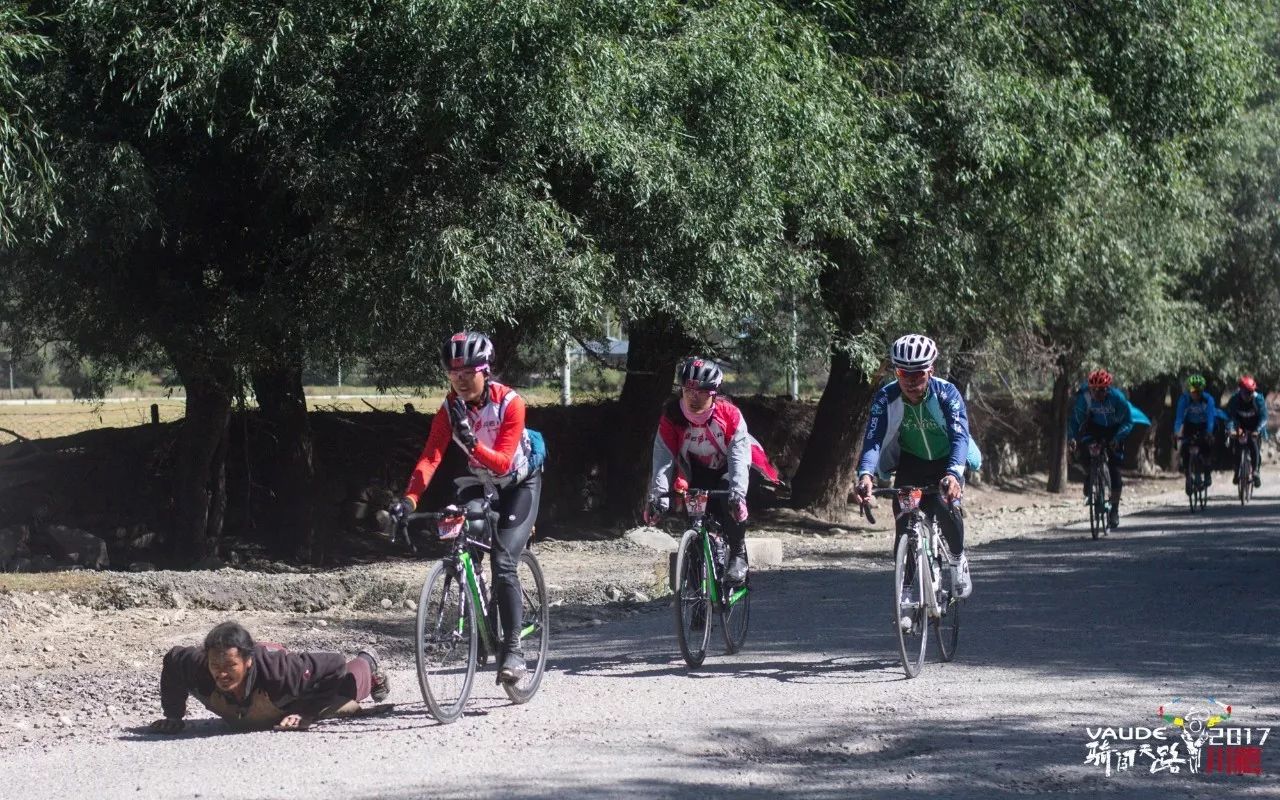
1194,422
920,426
1101,414
1247,411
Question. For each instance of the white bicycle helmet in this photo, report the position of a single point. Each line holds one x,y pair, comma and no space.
913,351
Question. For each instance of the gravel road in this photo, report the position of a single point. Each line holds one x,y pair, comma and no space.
1062,633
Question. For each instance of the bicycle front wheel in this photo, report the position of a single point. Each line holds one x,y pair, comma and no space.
447,644
692,604
1098,504
535,632
735,616
910,619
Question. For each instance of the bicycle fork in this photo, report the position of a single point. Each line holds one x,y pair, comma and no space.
932,579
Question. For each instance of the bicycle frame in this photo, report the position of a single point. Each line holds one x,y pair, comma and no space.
697,499
922,535
463,565
1244,439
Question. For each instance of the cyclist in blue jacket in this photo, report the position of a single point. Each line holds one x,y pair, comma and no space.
1102,414
919,424
1194,421
1247,410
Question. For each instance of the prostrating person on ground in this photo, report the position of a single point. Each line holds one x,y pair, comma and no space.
255,686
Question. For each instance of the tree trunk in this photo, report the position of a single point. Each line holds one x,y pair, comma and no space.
289,460
506,340
830,460
1061,409
655,347
199,487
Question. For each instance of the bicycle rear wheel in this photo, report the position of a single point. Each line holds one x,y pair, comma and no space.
1202,487
535,635
947,626
692,604
908,572
447,643
735,615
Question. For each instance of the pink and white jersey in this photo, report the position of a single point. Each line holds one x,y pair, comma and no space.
720,444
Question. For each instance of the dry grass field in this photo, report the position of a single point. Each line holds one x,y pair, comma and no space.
43,419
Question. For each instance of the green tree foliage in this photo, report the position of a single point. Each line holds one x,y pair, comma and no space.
25,172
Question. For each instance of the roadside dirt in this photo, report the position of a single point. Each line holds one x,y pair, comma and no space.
80,652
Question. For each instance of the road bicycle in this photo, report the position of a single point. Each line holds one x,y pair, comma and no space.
1197,473
699,583
458,625
921,597
1244,470
1099,496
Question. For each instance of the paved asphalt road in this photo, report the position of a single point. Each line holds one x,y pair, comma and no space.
1062,633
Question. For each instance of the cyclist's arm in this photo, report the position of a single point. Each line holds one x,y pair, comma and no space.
957,421
1232,410
1125,415
1180,413
664,459
739,447
499,458
1211,413
1261,403
877,423
1076,420
432,455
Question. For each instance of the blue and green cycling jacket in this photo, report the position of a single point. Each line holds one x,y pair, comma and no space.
1112,411
936,429
1250,414
1202,412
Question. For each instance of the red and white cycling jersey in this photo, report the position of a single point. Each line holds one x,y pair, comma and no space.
502,444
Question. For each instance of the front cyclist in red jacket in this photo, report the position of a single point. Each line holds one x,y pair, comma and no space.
486,419
704,437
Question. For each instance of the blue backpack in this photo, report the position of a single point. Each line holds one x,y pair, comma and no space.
537,450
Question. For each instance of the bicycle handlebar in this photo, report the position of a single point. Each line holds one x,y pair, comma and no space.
435,516
710,493
925,491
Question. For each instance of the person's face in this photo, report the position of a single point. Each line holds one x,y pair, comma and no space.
698,400
914,383
1099,393
228,669
467,382
1246,394
1195,392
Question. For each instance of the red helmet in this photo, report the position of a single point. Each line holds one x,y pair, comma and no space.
1248,384
1099,379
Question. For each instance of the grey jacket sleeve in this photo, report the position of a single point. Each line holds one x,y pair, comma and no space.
739,460
663,463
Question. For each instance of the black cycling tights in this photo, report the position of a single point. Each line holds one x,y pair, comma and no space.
517,508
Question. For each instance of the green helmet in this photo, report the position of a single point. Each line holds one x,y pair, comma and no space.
1195,381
